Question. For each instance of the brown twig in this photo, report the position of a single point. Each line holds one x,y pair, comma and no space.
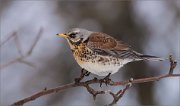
22,57
92,91
118,95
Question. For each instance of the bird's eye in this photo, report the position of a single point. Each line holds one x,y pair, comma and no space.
72,35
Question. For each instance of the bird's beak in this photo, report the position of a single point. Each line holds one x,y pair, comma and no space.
62,35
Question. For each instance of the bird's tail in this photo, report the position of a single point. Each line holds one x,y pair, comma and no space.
149,57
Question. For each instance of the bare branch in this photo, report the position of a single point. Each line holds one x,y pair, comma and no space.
93,81
118,95
10,37
11,62
35,41
18,45
92,91
22,57
27,63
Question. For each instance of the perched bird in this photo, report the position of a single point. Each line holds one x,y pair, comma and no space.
100,53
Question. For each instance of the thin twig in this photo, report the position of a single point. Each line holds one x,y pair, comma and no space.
118,95
10,37
92,91
30,64
18,45
35,41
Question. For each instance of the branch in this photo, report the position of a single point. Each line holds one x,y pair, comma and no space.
22,57
10,37
92,91
118,95
18,45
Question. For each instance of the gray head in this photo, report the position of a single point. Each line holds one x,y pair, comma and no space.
76,35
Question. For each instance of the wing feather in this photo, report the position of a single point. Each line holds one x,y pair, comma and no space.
104,44
99,40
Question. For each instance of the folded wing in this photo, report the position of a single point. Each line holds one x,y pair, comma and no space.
104,44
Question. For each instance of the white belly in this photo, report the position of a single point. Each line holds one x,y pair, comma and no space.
100,69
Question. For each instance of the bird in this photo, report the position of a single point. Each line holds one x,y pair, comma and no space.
100,53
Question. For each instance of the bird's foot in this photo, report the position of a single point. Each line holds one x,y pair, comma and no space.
83,74
87,73
105,80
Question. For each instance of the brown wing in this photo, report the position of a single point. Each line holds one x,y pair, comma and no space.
103,41
104,44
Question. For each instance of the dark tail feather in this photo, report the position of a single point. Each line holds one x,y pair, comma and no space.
148,57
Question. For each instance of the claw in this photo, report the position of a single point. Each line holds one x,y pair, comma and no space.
105,80
83,74
87,73
100,83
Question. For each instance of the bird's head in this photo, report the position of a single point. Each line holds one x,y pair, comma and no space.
76,36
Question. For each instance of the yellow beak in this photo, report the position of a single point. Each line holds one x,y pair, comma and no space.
62,35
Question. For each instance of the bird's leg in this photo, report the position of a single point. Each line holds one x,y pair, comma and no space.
105,80
87,73
77,80
83,74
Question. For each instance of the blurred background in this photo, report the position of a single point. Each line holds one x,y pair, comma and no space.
33,57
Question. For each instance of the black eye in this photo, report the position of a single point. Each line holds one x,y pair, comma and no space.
72,35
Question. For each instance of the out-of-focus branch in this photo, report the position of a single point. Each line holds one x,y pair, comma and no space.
10,37
92,91
18,45
35,42
23,56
